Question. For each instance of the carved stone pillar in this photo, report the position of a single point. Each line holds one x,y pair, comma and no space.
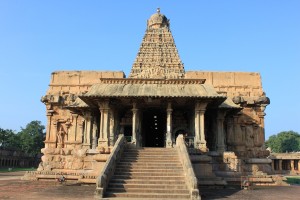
87,129
197,125
111,128
237,131
73,133
80,131
261,132
94,143
49,125
134,127
169,126
200,141
221,134
104,109
292,165
280,165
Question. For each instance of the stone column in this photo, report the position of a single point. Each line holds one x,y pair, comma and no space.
104,108
72,136
273,165
94,143
53,134
197,125
261,132
80,131
169,126
200,141
292,165
280,165
111,128
220,133
87,129
134,115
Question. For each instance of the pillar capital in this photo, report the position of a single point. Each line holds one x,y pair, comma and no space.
200,106
104,104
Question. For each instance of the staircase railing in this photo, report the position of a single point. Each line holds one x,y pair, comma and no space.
190,177
110,165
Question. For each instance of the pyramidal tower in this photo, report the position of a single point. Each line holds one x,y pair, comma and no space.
158,56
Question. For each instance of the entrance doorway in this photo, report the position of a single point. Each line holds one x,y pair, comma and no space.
154,127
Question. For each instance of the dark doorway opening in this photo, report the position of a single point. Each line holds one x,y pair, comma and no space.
154,127
128,133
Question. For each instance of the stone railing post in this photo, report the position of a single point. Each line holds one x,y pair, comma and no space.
190,176
109,167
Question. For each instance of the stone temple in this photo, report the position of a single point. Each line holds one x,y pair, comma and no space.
162,125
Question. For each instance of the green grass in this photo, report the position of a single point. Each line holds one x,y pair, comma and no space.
293,180
16,169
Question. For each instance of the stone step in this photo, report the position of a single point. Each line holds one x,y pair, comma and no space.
147,181
148,190
163,170
149,164
133,161
148,177
143,174
151,149
148,195
152,186
150,156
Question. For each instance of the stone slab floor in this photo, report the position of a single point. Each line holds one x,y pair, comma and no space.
11,187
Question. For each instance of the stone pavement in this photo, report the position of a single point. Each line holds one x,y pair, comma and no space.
11,187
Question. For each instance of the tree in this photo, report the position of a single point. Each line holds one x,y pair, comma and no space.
286,141
8,139
31,138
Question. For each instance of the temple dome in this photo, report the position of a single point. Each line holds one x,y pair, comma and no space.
158,20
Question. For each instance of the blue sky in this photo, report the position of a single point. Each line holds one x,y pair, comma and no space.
39,37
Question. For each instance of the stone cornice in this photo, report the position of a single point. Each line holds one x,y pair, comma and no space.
150,81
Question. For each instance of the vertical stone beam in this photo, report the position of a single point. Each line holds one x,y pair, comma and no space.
280,165
80,131
104,108
87,129
261,132
134,115
72,135
53,134
197,125
273,164
111,128
169,126
94,143
48,129
292,165
220,134
200,141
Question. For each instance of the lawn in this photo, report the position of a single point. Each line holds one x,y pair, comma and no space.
293,180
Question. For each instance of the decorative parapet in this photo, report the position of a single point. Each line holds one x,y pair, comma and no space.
190,176
109,167
150,81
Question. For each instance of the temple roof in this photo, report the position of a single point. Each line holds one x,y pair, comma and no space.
158,56
152,88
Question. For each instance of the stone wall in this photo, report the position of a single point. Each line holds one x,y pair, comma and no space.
10,158
247,84
76,82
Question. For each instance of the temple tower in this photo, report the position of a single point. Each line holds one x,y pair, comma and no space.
158,56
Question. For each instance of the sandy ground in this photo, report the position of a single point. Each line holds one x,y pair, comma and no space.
12,187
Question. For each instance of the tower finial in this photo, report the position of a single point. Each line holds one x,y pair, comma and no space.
158,10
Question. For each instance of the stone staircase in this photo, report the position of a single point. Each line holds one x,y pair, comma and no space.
148,173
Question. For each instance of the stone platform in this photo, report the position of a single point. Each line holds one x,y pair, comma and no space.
11,187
